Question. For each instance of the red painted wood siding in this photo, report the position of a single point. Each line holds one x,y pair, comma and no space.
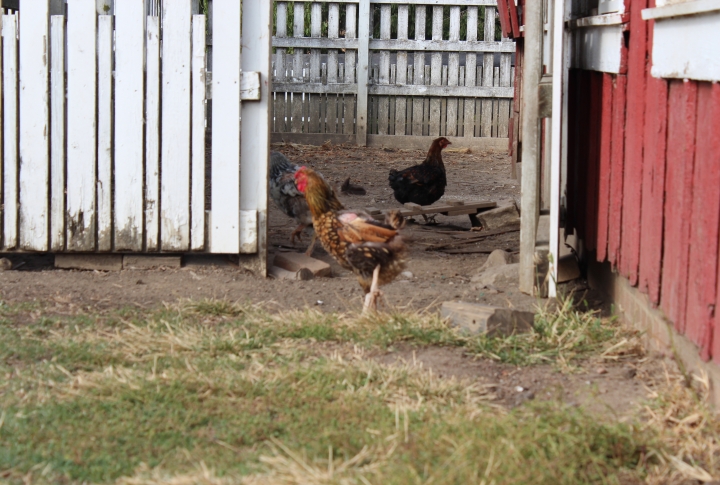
682,111
633,174
644,183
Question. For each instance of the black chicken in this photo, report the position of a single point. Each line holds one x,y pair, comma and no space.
425,183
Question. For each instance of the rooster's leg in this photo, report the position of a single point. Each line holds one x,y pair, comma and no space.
312,245
297,233
373,295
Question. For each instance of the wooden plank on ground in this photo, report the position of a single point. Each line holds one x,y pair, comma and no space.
152,136
225,216
297,262
617,159
97,262
144,261
57,132
34,125
81,125
104,140
10,131
411,209
197,202
682,116
129,105
704,229
418,72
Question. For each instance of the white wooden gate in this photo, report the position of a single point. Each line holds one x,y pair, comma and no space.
104,136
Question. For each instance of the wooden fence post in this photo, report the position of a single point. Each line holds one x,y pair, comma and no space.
362,71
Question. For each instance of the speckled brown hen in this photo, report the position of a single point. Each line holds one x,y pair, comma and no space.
371,249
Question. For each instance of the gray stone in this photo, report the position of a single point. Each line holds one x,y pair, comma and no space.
499,276
498,257
5,264
499,218
474,318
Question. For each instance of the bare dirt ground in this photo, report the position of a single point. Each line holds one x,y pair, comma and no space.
437,277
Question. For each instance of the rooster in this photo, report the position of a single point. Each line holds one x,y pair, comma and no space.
425,183
371,249
288,198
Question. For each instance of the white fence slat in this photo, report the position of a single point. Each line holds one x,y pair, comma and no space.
10,131
34,125
197,230
297,70
488,60
152,135
175,143
332,68
401,72
255,134
384,78
57,132
225,217
419,72
436,71
314,100
129,105
105,159
280,68
453,72
349,102
504,115
81,125
361,123
470,72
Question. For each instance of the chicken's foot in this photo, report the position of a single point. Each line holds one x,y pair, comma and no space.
374,294
297,233
312,245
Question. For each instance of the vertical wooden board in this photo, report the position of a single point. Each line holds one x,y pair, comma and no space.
453,73
705,226
470,73
152,136
175,136
495,105
632,186
129,105
593,159
617,154
34,125
419,72
298,31
57,132
653,196
682,111
197,190
279,110
257,16
436,72
314,99
332,68
350,58
504,104
605,167
487,79
104,138
361,113
383,102
225,216
10,131
81,125
401,74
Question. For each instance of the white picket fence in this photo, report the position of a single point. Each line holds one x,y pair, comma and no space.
391,87
104,127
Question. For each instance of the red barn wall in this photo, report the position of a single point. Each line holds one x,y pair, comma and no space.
644,183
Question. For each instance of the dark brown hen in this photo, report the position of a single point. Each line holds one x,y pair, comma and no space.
422,184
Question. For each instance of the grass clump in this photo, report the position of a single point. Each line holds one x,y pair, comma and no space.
216,392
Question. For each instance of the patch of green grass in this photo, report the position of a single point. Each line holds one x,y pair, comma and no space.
218,392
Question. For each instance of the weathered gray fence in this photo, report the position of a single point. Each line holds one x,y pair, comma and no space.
356,88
